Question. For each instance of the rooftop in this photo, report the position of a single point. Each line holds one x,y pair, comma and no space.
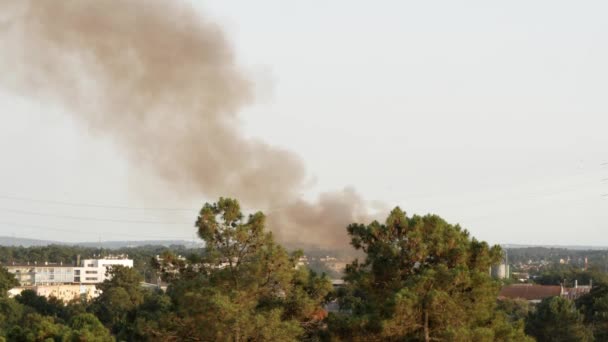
34,264
529,291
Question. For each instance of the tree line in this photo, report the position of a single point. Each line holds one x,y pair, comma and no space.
421,279
596,258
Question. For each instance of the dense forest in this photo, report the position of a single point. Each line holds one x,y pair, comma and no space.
420,279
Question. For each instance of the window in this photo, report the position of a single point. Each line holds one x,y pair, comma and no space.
91,279
77,279
90,272
77,272
91,265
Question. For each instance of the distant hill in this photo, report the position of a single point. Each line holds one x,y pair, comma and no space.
11,241
571,247
122,244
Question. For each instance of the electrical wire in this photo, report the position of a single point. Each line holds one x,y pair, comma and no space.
122,207
82,218
90,205
29,226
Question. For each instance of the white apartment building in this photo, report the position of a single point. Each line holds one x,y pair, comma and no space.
94,271
90,271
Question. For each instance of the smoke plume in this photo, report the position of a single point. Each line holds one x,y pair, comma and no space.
162,82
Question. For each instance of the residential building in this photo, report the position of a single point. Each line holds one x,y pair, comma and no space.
42,274
94,271
89,271
68,292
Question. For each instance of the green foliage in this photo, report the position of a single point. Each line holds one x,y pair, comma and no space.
121,295
557,319
515,310
567,274
35,327
7,282
42,305
10,314
504,328
422,279
126,278
147,321
246,286
594,307
86,327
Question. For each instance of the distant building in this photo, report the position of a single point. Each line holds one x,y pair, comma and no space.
89,271
68,292
536,293
94,271
302,261
500,271
522,277
577,291
334,264
530,292
337,283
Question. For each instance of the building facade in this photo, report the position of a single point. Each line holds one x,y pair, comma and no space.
94,271
89,271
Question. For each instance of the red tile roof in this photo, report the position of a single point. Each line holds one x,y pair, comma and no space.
529,291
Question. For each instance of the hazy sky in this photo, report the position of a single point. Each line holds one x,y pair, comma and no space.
491,115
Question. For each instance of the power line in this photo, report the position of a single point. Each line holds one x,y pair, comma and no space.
29,226
82,218
123,207
109,206
91,205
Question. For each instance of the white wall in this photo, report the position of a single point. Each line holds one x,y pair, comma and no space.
94,270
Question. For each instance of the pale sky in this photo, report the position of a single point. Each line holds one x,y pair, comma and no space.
491,115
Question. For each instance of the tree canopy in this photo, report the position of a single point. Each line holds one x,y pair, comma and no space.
7,282
422,279
557,319
246,287
594,307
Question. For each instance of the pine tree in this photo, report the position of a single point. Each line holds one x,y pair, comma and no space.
422,279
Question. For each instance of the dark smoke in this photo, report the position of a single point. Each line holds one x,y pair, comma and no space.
162,82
